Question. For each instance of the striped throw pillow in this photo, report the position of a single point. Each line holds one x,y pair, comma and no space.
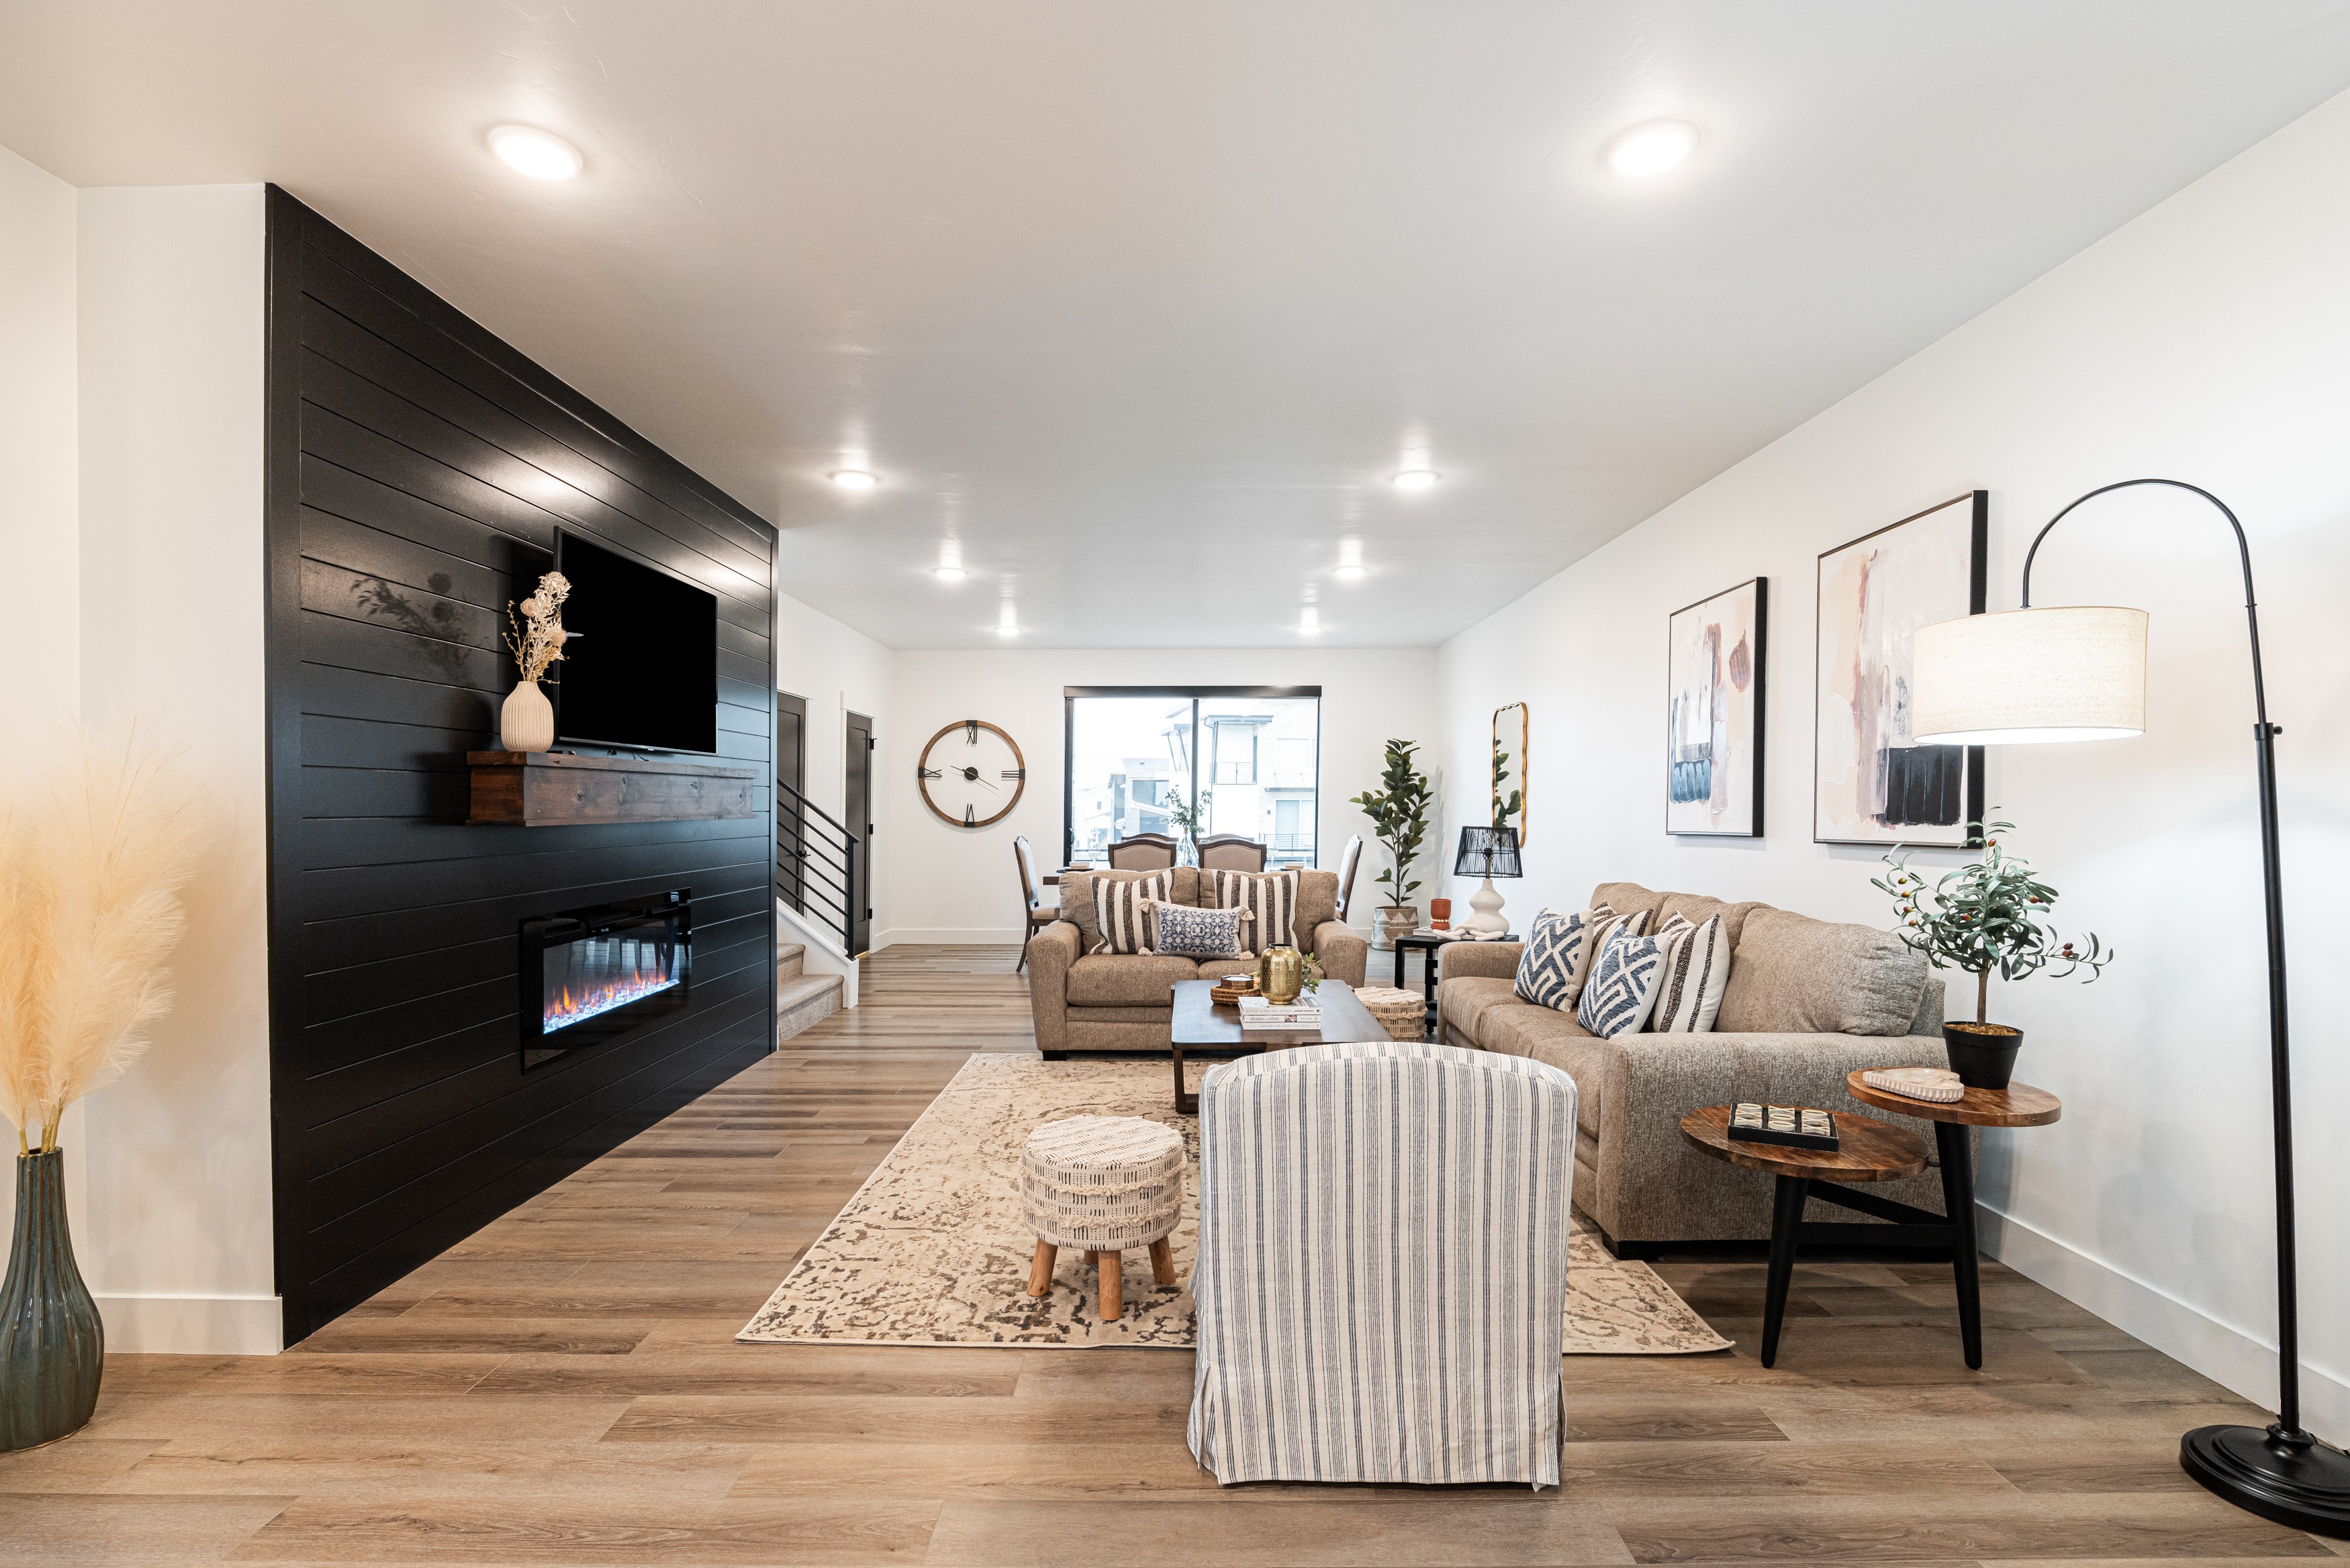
1697,969
1622,984
1181,931
1603,926
1122,911
1269,896
1546,968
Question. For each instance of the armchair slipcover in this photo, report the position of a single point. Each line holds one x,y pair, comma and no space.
1381,1272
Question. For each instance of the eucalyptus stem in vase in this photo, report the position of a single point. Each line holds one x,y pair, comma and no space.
1985,919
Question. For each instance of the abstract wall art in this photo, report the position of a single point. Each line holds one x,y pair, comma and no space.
1713,713
1870,783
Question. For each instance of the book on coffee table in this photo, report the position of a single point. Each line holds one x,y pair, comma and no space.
1256,1013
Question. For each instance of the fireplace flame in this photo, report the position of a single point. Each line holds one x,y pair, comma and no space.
564,1009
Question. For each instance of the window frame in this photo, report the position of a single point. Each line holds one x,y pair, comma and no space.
1070,694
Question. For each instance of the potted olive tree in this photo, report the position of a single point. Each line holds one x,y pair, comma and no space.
1399,814
1989,915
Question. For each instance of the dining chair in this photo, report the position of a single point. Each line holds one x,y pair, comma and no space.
1143,852
1346,864
1038,915
1230,852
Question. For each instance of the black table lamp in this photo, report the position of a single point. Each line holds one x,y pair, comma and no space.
1488,852
2078,673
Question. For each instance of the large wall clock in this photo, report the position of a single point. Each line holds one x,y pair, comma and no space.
972,773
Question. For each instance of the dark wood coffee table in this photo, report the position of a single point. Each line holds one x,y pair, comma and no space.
1873,1151
1199,1025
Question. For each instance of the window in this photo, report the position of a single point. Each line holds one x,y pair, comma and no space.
1253,753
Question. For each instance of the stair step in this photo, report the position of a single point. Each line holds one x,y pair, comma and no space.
790,959
806,1000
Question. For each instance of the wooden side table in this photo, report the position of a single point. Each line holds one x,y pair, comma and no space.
2017,1105
1872,1151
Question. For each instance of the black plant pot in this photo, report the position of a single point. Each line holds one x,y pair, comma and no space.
52,1344
1982,1060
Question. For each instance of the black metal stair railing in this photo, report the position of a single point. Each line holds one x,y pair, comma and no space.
816,864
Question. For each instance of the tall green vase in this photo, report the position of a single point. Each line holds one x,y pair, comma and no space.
52,1345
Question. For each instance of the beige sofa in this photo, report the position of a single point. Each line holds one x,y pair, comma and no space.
1806,1003
1086,1001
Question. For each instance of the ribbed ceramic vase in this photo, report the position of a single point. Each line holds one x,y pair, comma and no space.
526,723
52,1345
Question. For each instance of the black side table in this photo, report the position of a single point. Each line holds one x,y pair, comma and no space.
1427,979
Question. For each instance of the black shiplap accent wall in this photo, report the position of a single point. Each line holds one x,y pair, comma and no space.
418,468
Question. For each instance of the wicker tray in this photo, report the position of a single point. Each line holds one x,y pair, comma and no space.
1402,1013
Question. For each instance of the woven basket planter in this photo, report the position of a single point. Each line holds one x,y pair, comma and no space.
1402,1013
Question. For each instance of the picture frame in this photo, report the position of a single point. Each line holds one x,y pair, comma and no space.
1716,667
1511,726
1869,784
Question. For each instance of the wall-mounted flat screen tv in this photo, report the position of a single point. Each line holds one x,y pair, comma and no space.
643,670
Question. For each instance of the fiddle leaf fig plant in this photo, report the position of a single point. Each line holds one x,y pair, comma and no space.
1989,915
1399,814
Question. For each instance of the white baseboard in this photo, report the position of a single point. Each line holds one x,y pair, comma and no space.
950,936
194,1326
2239,1360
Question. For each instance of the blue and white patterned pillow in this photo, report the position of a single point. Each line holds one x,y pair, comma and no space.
1546,968
1185,932
1623,985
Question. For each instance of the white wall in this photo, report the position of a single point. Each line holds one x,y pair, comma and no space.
947,884
2210,342
170,348
838,671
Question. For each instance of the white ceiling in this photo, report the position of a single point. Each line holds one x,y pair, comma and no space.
1141,302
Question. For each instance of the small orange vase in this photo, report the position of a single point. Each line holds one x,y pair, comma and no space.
1440,914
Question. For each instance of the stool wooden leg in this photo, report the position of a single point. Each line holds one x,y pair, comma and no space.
1162,1262
1040,1271
1113,1293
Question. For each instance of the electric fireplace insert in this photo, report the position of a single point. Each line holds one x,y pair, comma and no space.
592,975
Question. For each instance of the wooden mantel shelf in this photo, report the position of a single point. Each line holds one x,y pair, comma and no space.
554,789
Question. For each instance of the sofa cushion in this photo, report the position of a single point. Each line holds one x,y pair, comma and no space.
1631,898
1697,971
1793,975
1078,896
1180,931
1269,896
1623,985
1464,1000
1126,979
1122,911
1697,909
1556,1040
1317,900
1546,970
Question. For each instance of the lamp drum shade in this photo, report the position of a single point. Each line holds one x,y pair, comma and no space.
1488,852
2070,672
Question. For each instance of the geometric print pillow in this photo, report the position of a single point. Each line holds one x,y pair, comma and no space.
1605,923
1546,968
1622,984
1183,930
1696,970
1271,897
1122,913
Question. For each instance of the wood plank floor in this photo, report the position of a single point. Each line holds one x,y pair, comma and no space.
564,1389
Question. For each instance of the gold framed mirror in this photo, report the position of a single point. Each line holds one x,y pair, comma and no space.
1510,727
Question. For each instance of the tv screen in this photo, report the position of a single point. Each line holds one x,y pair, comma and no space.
643,670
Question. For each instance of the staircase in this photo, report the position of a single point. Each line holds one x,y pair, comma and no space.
802,1000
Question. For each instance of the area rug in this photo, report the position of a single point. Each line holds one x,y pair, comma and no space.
931,1250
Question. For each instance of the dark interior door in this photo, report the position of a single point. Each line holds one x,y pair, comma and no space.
791,825
856,809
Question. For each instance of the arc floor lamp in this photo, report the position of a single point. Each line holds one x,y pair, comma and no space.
2078,673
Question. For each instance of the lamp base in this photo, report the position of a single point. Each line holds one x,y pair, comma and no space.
2289,1477
1487,901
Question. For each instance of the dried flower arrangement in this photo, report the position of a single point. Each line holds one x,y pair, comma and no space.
89,909
538,637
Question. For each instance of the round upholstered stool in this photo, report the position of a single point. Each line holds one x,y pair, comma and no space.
1102,1184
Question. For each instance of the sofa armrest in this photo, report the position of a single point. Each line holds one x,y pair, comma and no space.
1495,961
1051,951
1341,951
1650,1182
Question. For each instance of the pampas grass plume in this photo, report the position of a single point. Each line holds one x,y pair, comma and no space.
90,910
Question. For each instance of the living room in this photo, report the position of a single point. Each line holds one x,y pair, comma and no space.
1538,538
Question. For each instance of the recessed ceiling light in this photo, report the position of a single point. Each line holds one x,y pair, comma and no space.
1309,623
538,153
1415,479
1350,574
854,479
949,573
1651,148
1006,629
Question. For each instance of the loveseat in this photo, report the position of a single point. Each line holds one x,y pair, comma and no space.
1086,1001
1806,1003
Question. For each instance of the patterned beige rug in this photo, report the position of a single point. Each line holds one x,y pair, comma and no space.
931,1250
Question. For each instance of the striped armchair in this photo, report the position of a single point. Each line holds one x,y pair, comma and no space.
1382,1272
